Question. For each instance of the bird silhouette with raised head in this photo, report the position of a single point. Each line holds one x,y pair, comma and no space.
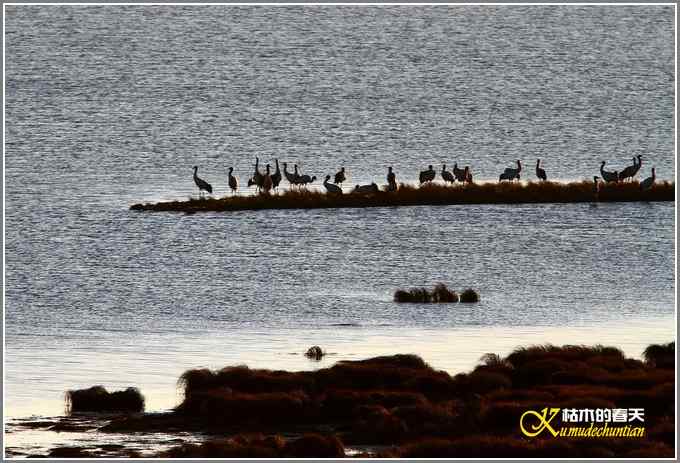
631,171
391,180
467,175
289,176
340,176
330,188
276,176
257,178
296,174
446,175
511,174
540,173
458,173
233,181
267,183
200,183
647,183
427,175
608,176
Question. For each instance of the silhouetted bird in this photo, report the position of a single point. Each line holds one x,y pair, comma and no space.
647,183
200,183
631,171
330,188
608,176
267,183
467,174
297,175
511,173
458,173
233,181
540,173
427,175
596,187
290,177
505,176
446,175
391,180
305,179
257,178
364,189
276,176
340,176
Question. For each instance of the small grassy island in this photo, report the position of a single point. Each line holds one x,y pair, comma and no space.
399,406
429,194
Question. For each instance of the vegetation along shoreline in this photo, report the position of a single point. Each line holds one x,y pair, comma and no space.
428,195
399,406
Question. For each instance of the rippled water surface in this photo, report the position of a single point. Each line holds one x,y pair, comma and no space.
108,106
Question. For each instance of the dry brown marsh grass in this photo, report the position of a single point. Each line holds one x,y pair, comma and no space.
403,402
430,194
98,399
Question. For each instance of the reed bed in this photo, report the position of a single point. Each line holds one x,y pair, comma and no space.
98,399
418,411
429,194
439,294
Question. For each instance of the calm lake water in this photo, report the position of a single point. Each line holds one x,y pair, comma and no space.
109,106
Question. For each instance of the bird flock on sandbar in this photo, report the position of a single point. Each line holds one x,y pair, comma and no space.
268,181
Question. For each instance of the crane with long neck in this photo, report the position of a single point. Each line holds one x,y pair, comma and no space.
331,188
267,183
540,173
458,173
512,174
257,178
233,181
427,175
446,175
200,183
608,176
647,183
276,176
391,180
290,177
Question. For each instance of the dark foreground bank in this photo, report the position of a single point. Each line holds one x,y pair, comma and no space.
430,194
398,406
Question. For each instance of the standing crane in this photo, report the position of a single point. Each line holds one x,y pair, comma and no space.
200,183
540,173
330,188
391,180
340,176
647,183
608,176
267,183
233,181
427,175
446,175
276,176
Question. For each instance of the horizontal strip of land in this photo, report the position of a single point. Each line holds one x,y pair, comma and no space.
429,194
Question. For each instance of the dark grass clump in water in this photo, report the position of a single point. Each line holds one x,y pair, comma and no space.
98,399
440,294
469,295
660,355
402,402
315,353
430,194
